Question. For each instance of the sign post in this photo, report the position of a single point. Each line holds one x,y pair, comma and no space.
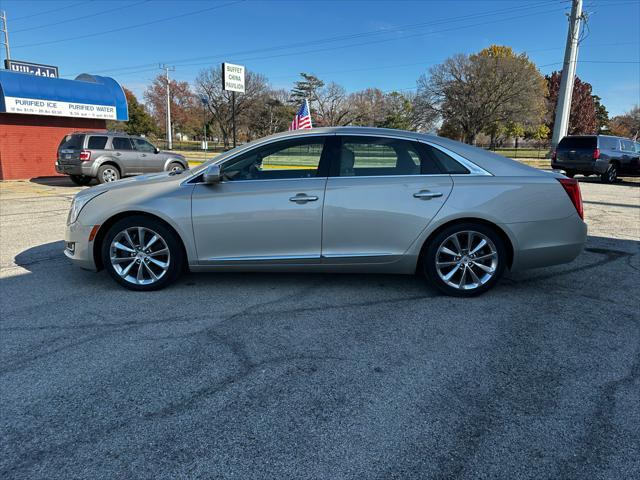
233,81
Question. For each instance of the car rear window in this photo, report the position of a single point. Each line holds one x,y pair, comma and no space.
121,143
575,143
447,164
97,143
71,142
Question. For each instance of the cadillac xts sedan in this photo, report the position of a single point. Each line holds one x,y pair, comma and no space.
344,199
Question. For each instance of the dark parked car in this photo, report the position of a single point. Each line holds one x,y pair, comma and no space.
109,156
601,155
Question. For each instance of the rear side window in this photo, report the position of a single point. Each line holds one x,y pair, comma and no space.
371,156
71,142
447,163
97,143
121,143
576,143
609,143
627,145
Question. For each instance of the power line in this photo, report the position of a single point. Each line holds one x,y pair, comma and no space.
144,24
79,18
354,36
44,12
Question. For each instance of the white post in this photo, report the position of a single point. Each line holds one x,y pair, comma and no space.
563,108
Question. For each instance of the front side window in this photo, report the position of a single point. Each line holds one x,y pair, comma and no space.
370,156
121,143
97,143
298,158
143,146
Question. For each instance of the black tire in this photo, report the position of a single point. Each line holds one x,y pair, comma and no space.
108,173
611,175
175,167
429,258
175,258
81,180
570,173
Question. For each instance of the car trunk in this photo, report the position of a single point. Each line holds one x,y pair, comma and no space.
578,151
69,149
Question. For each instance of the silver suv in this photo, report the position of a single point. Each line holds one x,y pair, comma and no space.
109,156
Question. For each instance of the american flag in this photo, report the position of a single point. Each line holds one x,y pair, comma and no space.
302,118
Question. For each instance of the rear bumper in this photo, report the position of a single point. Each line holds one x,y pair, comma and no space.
595,166
551,242
78,248
71,169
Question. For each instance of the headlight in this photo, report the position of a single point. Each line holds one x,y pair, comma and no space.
78,204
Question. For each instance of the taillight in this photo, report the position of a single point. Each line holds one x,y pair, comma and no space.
554,155
85,155
572,187
596,154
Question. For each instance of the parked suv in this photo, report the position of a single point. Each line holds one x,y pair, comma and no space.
109,156
596,154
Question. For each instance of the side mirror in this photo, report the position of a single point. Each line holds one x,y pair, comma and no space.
212,174
156,150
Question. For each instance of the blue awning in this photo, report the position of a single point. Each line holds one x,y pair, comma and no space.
88,96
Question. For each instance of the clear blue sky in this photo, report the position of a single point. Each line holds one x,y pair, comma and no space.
384,44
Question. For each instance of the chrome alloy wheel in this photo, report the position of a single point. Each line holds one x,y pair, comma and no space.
109,175
466,260
176,168
139,255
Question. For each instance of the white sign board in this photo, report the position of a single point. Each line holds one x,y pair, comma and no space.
56,108
233,77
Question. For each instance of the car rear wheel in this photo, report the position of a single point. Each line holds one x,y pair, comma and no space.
108,173
570,173
142,254
611,175
465,259
175,167
81,180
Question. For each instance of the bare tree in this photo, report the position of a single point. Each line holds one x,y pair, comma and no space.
333,106
209,84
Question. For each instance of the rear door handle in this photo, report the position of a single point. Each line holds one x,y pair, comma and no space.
426,194
303,198
118,154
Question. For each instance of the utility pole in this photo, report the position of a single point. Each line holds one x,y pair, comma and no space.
563,109
5,30
167,69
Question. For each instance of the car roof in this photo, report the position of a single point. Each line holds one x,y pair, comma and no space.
489,161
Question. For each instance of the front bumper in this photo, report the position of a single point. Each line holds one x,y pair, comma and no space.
78,248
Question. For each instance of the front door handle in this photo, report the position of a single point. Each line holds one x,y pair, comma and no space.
301,198
426,194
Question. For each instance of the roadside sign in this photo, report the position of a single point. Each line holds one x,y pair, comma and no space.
233,77
31,68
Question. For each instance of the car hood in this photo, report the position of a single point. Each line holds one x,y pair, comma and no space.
134,182
171,154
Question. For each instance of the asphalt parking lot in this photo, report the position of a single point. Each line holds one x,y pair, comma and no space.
250,376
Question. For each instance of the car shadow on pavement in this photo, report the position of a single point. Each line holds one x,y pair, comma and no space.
59,181
626,181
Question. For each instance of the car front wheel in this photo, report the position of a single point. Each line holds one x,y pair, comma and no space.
175,167
465,259
142,253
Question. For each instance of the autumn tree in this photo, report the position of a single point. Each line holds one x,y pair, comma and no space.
184,105
139,123
626,125
585,113
472,92
272,114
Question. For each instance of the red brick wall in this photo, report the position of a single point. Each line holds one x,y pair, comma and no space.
29,143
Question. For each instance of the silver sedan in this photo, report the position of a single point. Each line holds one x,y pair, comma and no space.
333,200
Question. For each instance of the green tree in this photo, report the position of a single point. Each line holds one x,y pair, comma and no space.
470,93
139,123
307,88
399,112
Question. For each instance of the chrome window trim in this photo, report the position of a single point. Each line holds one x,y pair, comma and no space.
474,169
